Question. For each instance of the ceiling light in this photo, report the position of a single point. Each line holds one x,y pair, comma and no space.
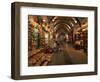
44,20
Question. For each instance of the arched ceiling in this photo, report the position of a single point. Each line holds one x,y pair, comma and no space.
63,27
58,23
66,23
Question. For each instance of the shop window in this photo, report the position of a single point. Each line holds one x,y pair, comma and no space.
36,38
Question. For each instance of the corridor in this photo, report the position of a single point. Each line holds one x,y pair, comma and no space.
56,40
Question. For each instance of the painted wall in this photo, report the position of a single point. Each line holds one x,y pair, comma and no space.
5,40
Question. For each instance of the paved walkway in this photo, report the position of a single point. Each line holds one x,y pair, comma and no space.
68,55
77,56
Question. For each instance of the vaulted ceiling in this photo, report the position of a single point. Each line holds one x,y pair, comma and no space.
61,23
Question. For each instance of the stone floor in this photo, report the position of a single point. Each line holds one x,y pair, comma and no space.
67,56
